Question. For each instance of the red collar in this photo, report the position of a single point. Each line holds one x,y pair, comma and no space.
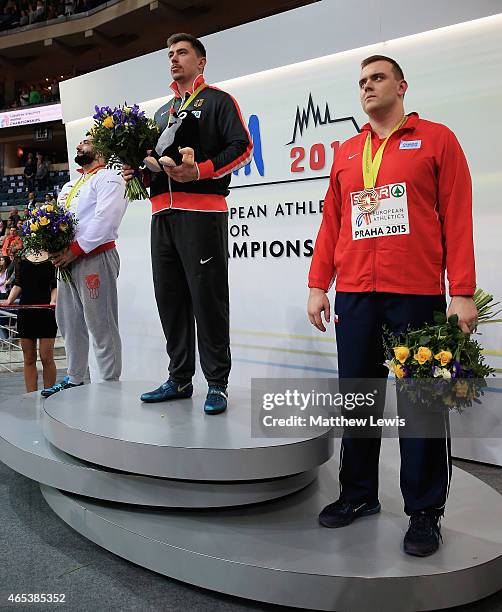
80,171
198,81
410,123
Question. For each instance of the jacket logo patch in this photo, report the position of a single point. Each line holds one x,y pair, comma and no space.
198,103
196,114
410,144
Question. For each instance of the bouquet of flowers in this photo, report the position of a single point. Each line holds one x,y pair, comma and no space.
123,135
50,228
439,361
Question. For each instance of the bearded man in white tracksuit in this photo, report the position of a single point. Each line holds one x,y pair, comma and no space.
88,304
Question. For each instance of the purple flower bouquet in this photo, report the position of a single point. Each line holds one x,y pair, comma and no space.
123,135
50,228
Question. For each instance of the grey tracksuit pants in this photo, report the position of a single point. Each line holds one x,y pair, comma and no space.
86,305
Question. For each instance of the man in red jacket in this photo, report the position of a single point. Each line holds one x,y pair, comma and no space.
11,240
398,211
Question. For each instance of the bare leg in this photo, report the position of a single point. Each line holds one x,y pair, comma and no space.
29,347
46,350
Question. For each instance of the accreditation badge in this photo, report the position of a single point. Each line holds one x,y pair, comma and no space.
384,213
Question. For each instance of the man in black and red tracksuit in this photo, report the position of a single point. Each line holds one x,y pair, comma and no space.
388,233
189,239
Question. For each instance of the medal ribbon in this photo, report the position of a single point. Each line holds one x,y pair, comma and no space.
166,138
372,166
83,179
187,102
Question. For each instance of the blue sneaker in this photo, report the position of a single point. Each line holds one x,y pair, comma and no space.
64,384
169,390
216,400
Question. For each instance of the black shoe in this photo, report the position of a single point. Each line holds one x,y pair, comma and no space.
423,535
342,513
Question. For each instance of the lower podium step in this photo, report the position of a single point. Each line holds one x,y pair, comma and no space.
24,449
277,552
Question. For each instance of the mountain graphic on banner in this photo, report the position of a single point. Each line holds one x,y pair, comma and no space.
313,114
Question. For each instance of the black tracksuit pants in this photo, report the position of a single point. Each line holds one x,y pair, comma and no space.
190,277
425,462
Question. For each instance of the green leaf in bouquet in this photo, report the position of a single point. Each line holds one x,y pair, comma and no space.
439,317
424,340
453,319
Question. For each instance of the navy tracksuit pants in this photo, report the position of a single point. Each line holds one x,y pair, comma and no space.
425,462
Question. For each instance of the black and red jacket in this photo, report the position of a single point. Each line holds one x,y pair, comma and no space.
224,146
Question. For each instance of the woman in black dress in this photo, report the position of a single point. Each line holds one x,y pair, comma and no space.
35,281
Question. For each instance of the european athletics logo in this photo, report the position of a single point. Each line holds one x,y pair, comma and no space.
254,132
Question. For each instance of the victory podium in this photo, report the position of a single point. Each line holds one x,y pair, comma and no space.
201,500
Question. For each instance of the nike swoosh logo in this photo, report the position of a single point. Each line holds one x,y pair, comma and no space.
358,507
181,389
351,156
204,261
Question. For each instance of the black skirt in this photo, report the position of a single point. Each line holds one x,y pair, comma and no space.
36,323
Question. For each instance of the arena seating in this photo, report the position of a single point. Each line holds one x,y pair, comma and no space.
14,190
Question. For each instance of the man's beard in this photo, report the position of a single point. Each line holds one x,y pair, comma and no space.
84,159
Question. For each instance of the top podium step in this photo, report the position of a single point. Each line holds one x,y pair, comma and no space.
108,425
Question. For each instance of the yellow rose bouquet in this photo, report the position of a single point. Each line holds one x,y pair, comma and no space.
442,354
50,228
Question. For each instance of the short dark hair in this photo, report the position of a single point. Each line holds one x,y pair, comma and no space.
398,73
183,37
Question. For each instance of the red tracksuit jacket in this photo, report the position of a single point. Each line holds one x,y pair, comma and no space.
422,226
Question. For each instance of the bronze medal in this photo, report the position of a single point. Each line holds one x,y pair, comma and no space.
368,200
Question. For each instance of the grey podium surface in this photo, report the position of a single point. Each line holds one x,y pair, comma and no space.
277,552
108,425
273,551
24,449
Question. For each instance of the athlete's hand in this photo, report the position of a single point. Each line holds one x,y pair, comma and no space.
127,172
184,173
466,311
63,258
317,304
